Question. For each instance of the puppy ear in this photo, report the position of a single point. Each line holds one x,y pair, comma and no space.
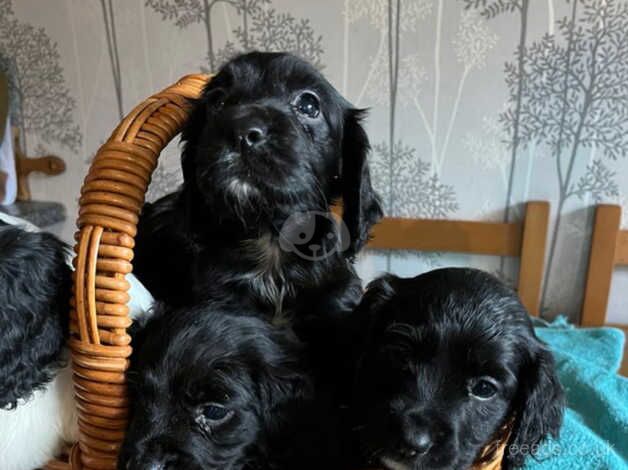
369,317
35,284
279,376
192,131
189,136
538,407
279,385
361,204
377,294
138,330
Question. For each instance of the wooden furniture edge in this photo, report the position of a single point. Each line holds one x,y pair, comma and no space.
601,264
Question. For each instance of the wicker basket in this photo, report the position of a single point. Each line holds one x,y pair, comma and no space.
111,198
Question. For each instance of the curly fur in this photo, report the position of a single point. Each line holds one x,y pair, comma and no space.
429,339
185,359
34,292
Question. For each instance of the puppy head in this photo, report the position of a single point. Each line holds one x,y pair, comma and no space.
206,386
270,134
34,292
451,358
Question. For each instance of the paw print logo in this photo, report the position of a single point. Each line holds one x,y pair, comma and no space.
313,235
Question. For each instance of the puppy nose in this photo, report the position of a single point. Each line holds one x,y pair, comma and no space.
152,457
417,434
249,133
155,466
152,464
253,136
248,124
421,441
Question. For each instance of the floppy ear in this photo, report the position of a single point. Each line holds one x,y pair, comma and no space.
32,353
280,384
35,284
369,319
539,408
137,330
278,374
192,131
361,204
189,136
377,295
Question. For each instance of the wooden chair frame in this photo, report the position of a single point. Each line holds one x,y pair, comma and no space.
609,249
525,239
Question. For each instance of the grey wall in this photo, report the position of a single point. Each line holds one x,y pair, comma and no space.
475,104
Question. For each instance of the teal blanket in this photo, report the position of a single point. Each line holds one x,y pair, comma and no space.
594,435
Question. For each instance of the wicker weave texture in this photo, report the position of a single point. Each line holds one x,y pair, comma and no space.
109,206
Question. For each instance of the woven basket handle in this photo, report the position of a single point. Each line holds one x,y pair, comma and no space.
111,199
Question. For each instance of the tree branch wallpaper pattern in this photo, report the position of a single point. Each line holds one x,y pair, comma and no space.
41,102
475,106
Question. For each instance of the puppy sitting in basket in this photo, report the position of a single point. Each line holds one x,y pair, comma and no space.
450,374
214,388
268,147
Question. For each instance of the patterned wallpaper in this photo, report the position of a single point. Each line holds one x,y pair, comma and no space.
475,105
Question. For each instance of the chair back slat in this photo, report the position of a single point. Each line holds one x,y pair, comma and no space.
621,248
460,236
602,260
533,255
526,239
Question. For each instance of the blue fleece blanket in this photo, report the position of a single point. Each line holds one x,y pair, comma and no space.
594,435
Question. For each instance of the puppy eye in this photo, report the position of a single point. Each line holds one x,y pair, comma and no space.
216,98
216,414
307,103
484,389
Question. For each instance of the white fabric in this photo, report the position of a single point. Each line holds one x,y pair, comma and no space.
140,300
34,432
9,219
7,165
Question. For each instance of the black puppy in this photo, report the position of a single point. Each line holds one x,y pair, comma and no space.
213,389
450,358
35,287
269,145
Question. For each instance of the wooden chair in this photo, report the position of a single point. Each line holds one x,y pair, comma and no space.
525,239
609,248
49,164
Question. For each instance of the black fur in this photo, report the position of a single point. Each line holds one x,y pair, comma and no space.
249,217
430,339
34,293
184,360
